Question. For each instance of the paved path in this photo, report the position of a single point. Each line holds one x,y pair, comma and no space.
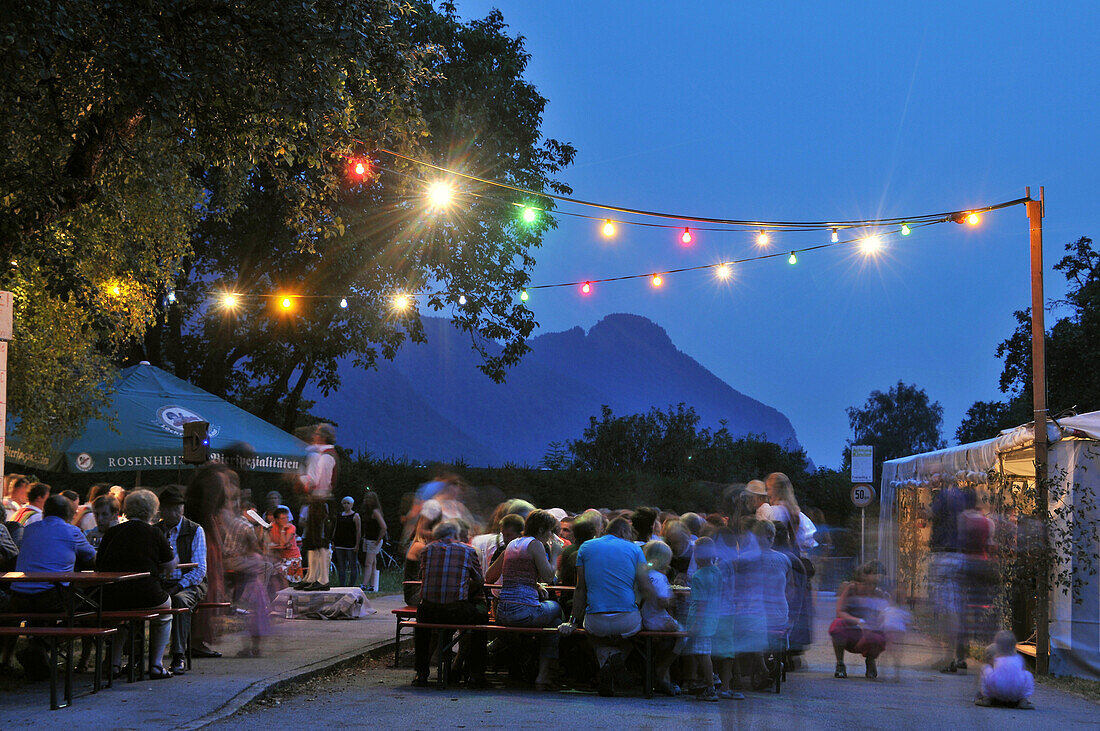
214,688
916,696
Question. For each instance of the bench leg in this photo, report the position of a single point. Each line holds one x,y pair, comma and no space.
648,667
109,655
68,671
397,642
97,674
53,675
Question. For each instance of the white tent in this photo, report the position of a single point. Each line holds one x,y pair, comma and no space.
1074,459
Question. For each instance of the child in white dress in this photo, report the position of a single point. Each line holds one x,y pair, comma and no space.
1004,681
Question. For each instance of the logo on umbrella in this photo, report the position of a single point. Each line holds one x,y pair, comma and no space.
84,462
172,419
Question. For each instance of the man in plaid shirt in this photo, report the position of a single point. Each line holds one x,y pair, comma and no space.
451,592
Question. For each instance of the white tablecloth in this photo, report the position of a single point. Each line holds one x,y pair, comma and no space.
339,602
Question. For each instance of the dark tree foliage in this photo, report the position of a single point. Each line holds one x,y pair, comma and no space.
670,443
986,419
897,423
479,115
116,117
1072,346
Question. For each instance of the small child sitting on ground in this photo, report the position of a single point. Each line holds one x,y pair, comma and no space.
655,612
703,619
1003,680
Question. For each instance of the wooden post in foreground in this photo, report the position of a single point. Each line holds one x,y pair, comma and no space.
1039,394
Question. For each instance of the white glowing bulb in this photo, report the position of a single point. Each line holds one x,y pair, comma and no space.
440,194
871,245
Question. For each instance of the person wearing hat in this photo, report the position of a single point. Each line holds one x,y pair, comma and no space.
186,588
759,492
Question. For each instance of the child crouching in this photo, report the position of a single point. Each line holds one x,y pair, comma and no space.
1004,681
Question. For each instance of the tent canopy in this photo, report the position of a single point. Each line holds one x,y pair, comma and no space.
149,407
1014,446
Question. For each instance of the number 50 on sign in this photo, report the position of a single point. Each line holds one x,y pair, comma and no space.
862,495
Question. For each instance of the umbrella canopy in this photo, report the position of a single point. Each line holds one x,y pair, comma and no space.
149,407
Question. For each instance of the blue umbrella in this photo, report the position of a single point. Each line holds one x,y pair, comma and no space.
149,407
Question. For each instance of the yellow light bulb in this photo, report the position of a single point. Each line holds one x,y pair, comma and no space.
401,302
608,228
723,271
286,303
973,219
762,238
657,281
835,237
116,290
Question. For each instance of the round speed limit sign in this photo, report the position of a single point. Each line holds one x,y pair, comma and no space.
862,495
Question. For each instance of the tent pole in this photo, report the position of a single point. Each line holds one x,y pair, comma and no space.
1039,394
137,479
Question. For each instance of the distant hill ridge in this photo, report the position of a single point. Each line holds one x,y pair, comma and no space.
432,404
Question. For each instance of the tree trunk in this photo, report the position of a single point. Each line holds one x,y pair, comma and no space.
290,410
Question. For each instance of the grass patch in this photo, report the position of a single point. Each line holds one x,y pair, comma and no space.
1087,689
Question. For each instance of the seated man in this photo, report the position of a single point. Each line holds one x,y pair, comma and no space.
452,592
51,544
611,570
186,588
31,512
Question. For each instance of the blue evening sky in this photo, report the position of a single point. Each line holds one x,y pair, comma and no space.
816,111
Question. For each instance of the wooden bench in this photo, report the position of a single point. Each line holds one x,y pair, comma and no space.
55,635
403,615
134,620
444,660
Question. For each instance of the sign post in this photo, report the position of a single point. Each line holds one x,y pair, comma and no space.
862,495
863,473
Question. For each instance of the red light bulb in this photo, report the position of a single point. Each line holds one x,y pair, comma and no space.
586,287
685,237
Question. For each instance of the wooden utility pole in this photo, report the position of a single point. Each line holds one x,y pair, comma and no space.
1039,395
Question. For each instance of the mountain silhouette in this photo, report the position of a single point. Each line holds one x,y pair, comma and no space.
431,403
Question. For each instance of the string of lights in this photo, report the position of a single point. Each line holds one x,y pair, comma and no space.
441,194
756,224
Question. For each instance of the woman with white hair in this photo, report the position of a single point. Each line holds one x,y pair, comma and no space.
137,546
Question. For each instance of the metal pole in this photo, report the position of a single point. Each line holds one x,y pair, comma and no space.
862,533
1039,394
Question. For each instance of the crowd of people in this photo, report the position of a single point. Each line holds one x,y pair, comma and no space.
202,542
734,589
738,582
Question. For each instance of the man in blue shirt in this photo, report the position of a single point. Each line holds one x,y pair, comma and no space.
609,569
51,544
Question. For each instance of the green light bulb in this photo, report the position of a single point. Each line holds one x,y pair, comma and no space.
523,295
530,215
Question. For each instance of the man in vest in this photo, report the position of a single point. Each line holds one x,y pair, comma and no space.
187,588
31,512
